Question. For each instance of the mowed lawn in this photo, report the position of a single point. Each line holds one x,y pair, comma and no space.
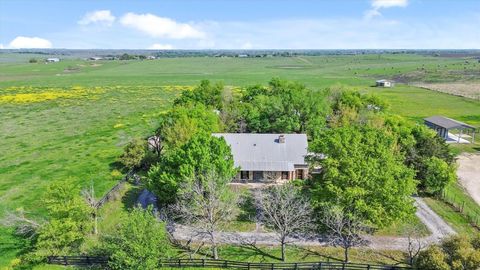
58,132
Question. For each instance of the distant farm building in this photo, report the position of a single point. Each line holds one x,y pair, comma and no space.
385,83
52,60
95,58
151,57
445,128
268,157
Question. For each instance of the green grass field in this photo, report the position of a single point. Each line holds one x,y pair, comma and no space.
70,120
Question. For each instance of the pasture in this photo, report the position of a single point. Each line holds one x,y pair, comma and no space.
70,120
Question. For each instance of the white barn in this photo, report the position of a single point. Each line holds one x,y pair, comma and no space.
385,83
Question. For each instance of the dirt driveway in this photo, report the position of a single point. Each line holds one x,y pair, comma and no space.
469,174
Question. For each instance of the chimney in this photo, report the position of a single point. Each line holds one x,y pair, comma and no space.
281,139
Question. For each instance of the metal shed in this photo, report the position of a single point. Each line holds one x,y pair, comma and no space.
443,125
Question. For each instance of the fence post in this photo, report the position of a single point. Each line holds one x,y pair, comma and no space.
272,267
320,266
65,261
203,262
343,266
88,260
248,266
296,266
368,267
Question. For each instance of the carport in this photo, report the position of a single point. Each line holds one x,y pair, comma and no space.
443,125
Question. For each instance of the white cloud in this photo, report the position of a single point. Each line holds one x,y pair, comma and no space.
30,42
246,46
1,46
377,4
156,26
103,17
381,4
158,46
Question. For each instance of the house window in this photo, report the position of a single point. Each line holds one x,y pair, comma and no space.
284,175
244,175
299,174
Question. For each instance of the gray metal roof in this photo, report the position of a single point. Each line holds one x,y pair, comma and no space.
446,122
263,152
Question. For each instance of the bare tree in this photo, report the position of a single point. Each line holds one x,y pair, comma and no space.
415,244
207,205
284,210
344,230
155,143
23,226
89,197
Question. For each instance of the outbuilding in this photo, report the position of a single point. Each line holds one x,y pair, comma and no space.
385,83
445,128
52,60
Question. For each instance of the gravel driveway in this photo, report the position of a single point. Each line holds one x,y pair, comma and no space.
469,174
438,228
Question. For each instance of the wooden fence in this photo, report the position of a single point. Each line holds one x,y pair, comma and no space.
223,264
458,203
113,192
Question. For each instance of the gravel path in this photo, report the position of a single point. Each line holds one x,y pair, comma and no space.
469,174
437,226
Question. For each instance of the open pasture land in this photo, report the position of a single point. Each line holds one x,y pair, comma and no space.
70,120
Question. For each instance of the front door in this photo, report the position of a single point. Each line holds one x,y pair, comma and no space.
257,175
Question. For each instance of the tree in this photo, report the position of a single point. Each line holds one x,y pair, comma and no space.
362,172
181,123
138,242
201,155
68,222
207,204
206,93
437,175
343,229
92,202
284,210
432,258
133,154
456,252
460,253
283,106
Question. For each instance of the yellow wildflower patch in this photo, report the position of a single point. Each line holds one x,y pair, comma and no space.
119,125
28,94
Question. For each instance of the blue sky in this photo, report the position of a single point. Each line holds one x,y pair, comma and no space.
235,24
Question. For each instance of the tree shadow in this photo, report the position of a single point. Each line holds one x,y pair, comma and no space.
248,209
316,253
388,256
129,200
247,252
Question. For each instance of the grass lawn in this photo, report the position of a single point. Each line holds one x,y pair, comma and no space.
455,219
402,228
455,194
70,120
306,254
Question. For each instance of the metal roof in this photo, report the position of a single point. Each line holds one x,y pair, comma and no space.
446,122
264,152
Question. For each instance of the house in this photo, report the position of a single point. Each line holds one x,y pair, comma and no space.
95,58
52,60
451,130
268,157
385,83
151,57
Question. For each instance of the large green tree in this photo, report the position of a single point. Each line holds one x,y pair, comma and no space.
181,123
363,172
206,93
138,242
201,155
283,106
68,221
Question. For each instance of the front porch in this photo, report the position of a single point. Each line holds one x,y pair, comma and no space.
270,176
